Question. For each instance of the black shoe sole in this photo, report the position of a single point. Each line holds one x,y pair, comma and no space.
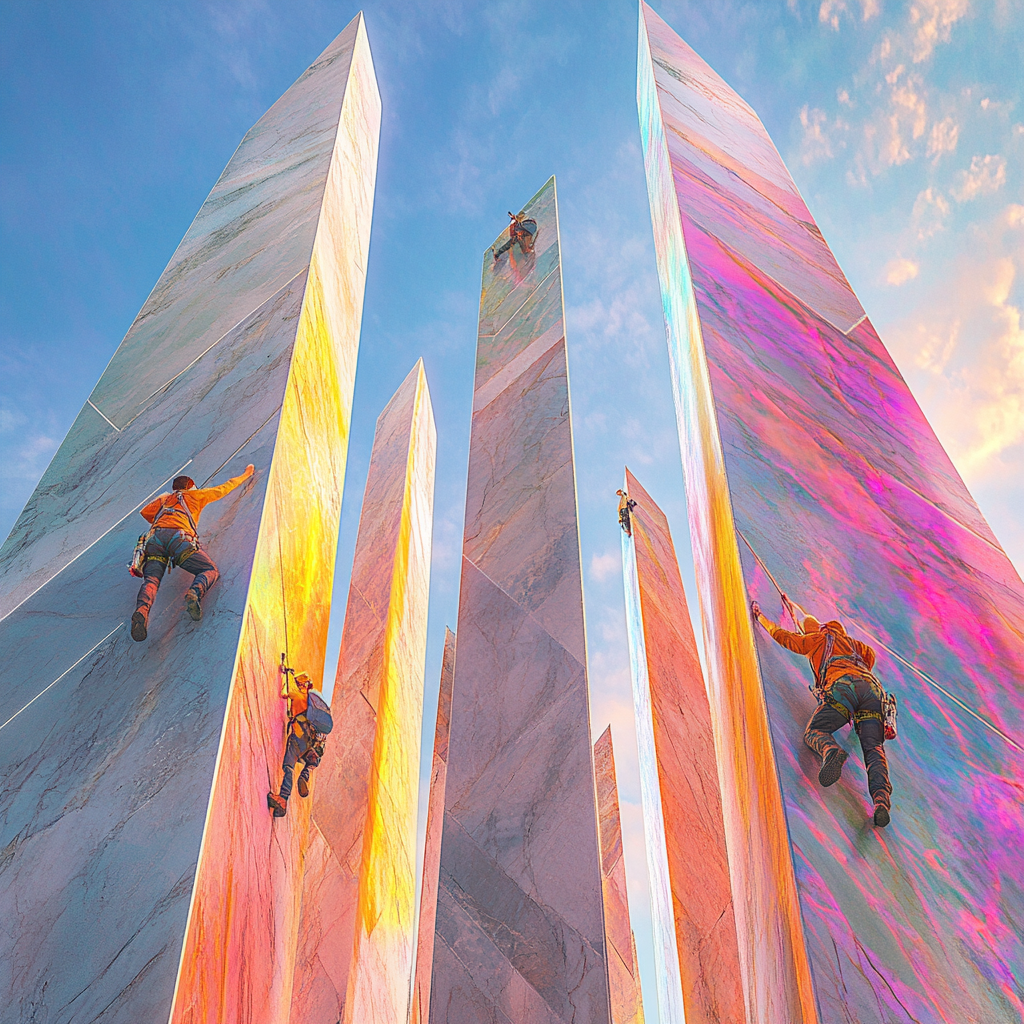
279,812
303,788
832,767
194,608
139,627
881,817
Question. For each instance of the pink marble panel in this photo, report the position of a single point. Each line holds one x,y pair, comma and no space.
356,931
519,933
623,975
807,457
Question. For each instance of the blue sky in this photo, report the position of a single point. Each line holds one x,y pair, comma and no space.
902,123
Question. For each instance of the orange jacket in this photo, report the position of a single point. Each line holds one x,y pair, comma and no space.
196,499
813,645
297,695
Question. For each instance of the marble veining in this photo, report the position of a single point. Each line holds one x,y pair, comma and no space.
519,919
356,939
241,354
802,443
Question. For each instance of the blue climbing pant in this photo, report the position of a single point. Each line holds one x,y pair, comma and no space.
856,698
296,748
174,547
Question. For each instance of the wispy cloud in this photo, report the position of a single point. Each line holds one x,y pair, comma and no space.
943,137
931,23
986,174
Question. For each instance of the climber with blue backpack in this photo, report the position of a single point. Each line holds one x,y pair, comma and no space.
173,539
846,692
309,722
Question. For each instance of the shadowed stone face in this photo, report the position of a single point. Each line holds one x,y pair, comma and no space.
519,929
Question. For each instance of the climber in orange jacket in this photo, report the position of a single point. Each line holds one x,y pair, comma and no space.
303,744
846,691
173,540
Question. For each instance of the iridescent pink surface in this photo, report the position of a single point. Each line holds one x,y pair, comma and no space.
801,437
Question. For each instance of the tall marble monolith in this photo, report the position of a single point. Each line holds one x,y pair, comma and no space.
420,1010
807,457
519,931
143,876
358,898
623,971
696,953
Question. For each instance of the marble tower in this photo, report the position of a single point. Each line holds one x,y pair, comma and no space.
519,932
143,877
358,896
810,468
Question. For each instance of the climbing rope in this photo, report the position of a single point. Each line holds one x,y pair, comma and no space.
913,668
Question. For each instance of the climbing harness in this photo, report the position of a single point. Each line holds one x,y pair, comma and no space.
137,566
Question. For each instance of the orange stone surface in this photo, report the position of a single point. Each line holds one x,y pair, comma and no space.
623,972
358,897
696,951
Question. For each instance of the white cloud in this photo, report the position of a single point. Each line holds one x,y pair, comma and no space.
963,351
943,138
815,144
986,175
830,10
932,22
899,270
604,566
930,211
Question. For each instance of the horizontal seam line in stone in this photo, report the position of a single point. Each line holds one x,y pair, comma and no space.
213,345
527,613
89,401
747,259
519,376
543,907
540,285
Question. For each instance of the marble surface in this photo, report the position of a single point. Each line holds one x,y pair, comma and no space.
623,971
420,1009
519,924
132,816
696,949
357,936
801,439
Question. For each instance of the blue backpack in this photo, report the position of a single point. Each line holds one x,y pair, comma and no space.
318,714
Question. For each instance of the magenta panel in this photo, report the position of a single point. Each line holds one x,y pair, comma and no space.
833,476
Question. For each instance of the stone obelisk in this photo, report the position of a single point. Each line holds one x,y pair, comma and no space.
177,894
520,926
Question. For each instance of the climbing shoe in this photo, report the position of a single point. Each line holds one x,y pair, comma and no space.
302,786
139,626
192,606
881,815
832,766
277,805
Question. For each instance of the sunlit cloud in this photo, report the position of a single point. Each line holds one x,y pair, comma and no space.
932,23
986,175
929,214
898,271
965,343
604,566
943,137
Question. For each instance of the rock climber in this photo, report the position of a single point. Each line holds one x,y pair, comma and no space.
173,540
523,230
304,743
846,691
626,506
